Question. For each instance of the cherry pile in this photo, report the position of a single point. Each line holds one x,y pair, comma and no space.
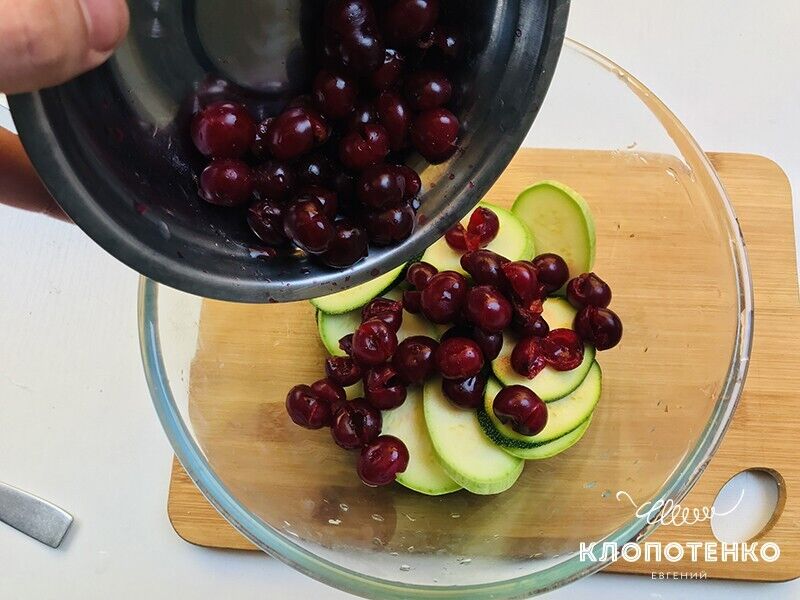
326,174
498,295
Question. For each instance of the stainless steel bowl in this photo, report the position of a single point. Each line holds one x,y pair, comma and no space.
111,145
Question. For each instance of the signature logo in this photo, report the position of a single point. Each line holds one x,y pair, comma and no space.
668,512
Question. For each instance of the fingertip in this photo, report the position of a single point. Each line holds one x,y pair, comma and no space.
106,25
39,50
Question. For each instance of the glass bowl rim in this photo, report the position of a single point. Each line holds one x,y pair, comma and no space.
636,529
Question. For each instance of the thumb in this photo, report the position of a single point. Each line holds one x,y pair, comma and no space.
47,42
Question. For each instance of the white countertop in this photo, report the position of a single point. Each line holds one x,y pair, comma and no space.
77,424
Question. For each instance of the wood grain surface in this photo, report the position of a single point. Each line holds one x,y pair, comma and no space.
649,239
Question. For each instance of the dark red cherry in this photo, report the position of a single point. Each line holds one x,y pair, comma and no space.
363,147
343,370
552,271
325,197
428,89
527,319
395,116
443,297
528,358
414,358
331,392
381,461
307,225
523,280
352,37
456,238
563,349
319,126
485,267
406,20
348,246
295,132
334,94
465,393
391,225
482,228
528,312
588,290
388,74
419,274
449,40
307,409
490,343
315,169
412,301
459,358
413,181
434,134
273,180
381,186
346,344
521,409
212,88
226,182
223,130
265,218
386,310
600,327
356,424
373,343
364,113
384,388
527,322
488,309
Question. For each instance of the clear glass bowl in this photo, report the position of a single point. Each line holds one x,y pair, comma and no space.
669,390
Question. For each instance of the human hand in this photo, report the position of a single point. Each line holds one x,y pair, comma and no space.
44,43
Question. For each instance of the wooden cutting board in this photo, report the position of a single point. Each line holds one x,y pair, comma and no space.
763,432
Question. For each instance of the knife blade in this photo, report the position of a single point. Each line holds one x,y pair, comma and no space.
33,516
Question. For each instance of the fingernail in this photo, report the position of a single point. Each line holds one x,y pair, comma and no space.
105,21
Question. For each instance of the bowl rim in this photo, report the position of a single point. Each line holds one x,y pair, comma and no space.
53,164
636,529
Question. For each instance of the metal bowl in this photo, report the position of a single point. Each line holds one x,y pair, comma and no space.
112,149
